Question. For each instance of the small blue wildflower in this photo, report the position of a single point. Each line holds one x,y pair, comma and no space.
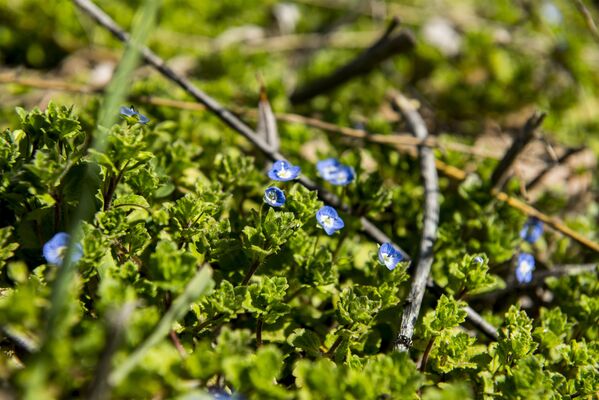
526,264
389,256
532,230
334,172
56,249
283,171
330,221
327,168
131,112
478,260
273,196
344,176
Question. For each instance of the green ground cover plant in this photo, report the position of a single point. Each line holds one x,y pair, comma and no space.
150,251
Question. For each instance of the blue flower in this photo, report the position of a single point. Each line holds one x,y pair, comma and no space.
526,264
131,112
56,249
334,172
478,260
273,196
344,176
283,171
532,230
327,168
389,256
330,221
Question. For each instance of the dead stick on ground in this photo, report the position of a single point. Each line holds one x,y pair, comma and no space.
222,113
588,19
388,45
503,170
561,160
431,222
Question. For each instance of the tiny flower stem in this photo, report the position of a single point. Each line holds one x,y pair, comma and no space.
293,294
343,194
57,207
259,324
426,353
209,321
260,216
315,245
177,343
112,184
342,238
334,346
251,272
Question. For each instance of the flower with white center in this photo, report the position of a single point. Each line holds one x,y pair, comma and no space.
55,249
532,230
334,172
283,171
389,256
329,220
344,176
273,196
327,168
524,268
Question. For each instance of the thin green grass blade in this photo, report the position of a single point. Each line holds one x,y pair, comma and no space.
199,285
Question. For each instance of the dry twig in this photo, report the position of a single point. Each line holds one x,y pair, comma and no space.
503,170
388,45
431,222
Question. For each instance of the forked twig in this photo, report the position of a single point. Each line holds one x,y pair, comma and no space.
386,46
560,161
502,171
431,222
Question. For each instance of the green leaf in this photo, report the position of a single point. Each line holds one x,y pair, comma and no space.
515,337
7,247
448,314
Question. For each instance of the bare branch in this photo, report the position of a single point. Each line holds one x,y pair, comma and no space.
431,222
502,171
588,19
385,47
561,160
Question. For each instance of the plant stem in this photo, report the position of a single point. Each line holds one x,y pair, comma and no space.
251,272
259,324
334,346
209,321
292,295
197,286
426,353
177,343
342,238
315,244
